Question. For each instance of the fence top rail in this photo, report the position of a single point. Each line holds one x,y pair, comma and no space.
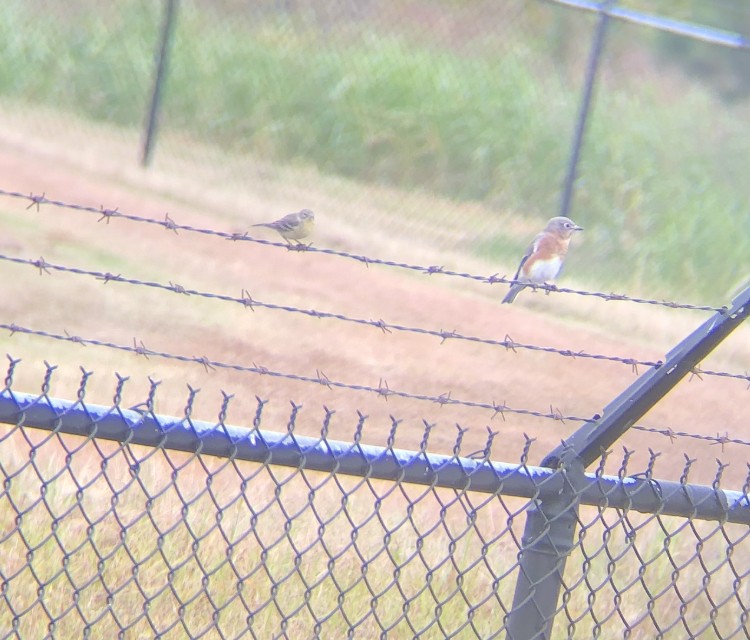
692,30
640,493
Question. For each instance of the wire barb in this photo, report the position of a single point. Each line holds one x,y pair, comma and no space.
247,300
107,214
140,349
169,224
323,379
36,201
178,288
42,265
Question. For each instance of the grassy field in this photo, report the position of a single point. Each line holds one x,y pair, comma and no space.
429,146
157,548
661,189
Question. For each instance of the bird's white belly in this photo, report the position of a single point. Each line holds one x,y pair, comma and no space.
544,270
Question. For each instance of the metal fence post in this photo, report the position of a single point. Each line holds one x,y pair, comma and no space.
592,69
548,539
600,433
550,524
167,29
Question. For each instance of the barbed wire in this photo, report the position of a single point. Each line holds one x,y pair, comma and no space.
36,200
382,390
508,343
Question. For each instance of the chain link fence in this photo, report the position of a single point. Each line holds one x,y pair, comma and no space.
119,521
180,528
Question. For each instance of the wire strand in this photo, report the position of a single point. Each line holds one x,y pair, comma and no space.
169,224
382,390
247,301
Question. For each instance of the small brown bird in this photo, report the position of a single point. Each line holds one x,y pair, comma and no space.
545,256
293,226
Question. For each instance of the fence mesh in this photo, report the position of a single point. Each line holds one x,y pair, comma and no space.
394,121
103,538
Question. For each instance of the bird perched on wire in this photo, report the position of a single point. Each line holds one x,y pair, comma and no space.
293,226
544,258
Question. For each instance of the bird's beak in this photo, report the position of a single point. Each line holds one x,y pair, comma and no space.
577,228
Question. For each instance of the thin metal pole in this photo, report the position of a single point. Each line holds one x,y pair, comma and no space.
167,29
692,30
550,525
592,70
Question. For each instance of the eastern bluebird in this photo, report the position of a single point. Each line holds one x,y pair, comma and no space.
544,257
293,226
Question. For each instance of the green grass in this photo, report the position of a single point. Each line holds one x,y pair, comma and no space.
661,187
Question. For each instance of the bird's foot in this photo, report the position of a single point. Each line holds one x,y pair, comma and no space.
300,246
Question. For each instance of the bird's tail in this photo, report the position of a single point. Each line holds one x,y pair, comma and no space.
514,291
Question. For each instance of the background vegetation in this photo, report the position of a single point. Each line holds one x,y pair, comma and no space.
480,110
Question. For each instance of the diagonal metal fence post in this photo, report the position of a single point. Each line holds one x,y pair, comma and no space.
598,435
550,525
